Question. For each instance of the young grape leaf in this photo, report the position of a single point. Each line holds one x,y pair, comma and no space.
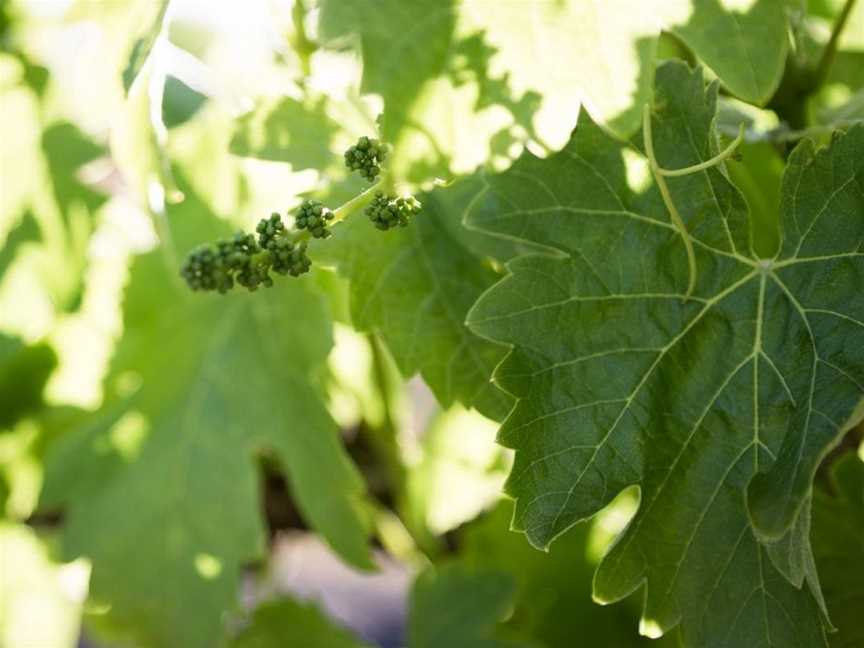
838,542
286,622
744,43
165,470
452,606
414,287
623,379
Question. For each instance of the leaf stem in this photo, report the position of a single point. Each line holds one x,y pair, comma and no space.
707,164
667,197
831,48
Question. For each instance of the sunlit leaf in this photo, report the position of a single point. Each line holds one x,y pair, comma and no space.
165,471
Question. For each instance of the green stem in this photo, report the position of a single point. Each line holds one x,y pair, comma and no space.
667,197
707,164
831,48
660,175
357,202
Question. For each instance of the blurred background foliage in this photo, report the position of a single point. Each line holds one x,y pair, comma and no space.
164,456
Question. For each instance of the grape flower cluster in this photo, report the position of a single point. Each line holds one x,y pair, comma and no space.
387,211
246,261
366,156
314,217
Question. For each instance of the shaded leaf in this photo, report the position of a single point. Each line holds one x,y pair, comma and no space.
455,607
838,542
414,287
286,622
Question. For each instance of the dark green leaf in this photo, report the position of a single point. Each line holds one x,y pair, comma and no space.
455,607
838,542
624,380
286,622
24,370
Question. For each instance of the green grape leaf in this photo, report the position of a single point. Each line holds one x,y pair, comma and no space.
286,622
24,370
165,470
452,606
414,287
623,380
286,130
744,43
838,543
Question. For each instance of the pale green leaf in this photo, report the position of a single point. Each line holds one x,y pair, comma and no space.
624,380
159,487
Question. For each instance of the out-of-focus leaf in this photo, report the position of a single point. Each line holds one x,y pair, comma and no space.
164,471
144,44
24,370
40,601
452,606
414,287
27,230
286,622
838,544
460,472
553,590
179,102
286,130
66,150
719,405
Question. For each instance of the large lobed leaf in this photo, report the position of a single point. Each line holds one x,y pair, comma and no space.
622,379
159,488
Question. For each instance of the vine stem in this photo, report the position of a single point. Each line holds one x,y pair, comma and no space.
831,48
667,197
342,212
660,175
